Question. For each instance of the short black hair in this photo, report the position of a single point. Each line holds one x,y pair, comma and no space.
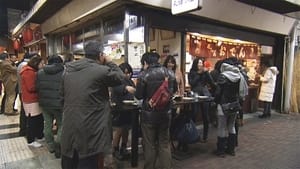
3,56
54,59
92,49
150,58
266,62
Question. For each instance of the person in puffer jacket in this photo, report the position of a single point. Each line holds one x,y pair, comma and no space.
227,92
267,88
48,85
155,124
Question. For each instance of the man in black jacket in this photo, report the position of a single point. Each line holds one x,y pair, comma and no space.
48,84
155,124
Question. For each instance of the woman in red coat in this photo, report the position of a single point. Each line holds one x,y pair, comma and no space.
35,121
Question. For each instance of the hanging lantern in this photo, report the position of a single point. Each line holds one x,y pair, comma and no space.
16,44
27,35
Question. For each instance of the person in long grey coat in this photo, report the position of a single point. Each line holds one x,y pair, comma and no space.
86,127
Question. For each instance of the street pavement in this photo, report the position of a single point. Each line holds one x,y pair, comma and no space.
272,143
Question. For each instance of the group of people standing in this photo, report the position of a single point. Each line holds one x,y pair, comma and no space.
78,97
38,86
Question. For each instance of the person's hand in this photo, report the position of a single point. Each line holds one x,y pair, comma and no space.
130,89
107,58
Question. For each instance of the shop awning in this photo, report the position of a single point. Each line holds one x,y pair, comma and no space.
42,10
285,7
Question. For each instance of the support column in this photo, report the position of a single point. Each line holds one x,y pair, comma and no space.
289,69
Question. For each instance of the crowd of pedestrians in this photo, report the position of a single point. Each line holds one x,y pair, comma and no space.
83,100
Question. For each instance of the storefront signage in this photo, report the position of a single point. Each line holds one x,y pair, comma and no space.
208,48
182,6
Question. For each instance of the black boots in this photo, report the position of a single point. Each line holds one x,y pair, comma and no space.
264,115
226,145
221,144
231,143
122,153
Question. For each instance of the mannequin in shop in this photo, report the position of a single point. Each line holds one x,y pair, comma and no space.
200,80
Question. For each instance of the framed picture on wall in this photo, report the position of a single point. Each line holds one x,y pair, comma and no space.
165,34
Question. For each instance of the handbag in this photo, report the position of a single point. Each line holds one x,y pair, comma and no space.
188,133
231,108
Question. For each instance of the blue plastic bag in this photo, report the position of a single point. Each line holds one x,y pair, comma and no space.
188,133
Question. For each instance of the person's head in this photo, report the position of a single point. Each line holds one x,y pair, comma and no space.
68,57
36,62
170,63
218,65
198,64
13,58
94,50
232,61
3,56
127,70
29,55
149,58
54,59
266,63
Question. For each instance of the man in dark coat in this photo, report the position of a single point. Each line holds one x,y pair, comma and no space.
155,124
48,83
86,130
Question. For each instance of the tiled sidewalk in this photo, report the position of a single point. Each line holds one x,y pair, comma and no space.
272,143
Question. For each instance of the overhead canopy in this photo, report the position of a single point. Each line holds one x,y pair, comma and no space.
286,7
41,11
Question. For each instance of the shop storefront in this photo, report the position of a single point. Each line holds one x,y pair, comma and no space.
30,39
187,38
128,29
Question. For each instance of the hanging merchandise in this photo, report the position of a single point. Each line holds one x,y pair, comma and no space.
16,44
27,35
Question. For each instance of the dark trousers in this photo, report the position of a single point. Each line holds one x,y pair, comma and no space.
23,120
267,108
35,127
204,108
91,162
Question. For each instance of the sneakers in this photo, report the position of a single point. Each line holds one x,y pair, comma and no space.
40,140
35,144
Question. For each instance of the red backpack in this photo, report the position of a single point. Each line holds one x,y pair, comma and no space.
161,97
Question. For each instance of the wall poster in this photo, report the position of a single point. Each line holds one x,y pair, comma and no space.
135,52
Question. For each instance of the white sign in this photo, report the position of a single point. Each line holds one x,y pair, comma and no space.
181,6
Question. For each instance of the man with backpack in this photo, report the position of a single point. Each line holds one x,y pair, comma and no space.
155,120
